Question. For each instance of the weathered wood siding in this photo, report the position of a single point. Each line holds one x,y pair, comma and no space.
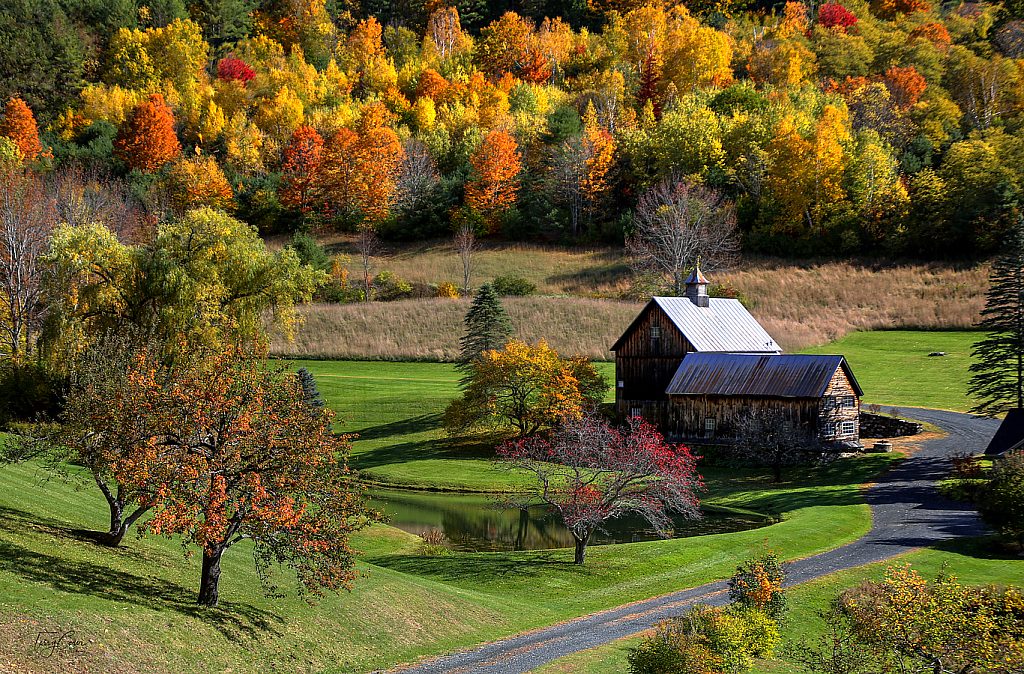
645,365
688,415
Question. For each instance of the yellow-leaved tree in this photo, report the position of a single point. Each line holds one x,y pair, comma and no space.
524,388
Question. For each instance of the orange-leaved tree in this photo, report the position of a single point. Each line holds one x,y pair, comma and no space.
300,163
359,169
525,388
146,141
254,459
495,180
20,126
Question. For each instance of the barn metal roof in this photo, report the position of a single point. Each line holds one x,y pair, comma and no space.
724,326
795,376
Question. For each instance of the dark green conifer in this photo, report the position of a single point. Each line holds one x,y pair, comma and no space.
997,378
487,327
310,391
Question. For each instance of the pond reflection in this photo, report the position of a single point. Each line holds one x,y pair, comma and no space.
471,523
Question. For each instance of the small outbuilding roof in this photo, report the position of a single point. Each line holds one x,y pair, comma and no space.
1010,434
724,326
795,376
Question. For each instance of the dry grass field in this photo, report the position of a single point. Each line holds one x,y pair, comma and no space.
802,303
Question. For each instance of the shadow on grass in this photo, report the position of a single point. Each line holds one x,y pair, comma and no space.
408,426
79,576
418,450
836,484
588,278
482,568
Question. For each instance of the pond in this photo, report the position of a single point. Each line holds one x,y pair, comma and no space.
471,522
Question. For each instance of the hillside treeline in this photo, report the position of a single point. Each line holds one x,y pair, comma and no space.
837,129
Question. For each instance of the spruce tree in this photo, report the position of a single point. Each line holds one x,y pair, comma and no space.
311,392
487,327
997,378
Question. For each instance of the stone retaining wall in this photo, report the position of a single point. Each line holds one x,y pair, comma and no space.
882,426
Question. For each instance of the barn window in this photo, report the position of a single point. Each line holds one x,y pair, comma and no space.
709,427
849,401
636,412
655,332
828,403
847,428
622,384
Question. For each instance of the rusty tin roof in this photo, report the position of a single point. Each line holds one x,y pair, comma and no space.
795,376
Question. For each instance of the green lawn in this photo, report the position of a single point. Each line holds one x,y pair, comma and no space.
895,370
135,603
132,607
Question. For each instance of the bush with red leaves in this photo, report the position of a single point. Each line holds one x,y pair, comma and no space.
835,17
231,68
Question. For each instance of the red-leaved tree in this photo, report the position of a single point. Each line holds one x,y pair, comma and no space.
836,17
589,472
230,69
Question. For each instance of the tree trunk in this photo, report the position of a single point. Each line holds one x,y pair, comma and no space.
209,585
581,548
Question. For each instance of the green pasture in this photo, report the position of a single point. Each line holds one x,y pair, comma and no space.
894,368
134,605
132,608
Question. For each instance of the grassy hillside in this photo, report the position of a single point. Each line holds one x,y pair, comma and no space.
579,309
131,609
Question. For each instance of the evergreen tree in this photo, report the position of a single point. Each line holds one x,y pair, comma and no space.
311,392
997,378
487,327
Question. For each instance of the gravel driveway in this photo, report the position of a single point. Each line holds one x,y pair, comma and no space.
907,513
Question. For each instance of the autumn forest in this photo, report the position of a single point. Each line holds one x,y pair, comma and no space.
892,128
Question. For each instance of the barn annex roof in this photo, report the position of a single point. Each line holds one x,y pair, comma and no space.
758,375
724,326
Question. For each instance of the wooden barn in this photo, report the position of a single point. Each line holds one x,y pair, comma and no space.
711,393
696,365
651,349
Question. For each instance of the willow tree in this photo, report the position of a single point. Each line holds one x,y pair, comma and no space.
205,279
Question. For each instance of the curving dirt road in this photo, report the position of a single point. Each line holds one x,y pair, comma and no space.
906,510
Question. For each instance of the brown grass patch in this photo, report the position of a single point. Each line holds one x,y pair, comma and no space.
430,330
800,303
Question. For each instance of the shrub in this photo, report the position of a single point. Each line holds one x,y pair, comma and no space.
965,465
310,251
434,543
1001,501
672,650
389,287
706,640
513,286
448,290
757,584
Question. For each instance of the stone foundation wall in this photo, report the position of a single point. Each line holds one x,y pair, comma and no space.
881,426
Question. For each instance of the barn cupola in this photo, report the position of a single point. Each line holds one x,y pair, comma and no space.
697,288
